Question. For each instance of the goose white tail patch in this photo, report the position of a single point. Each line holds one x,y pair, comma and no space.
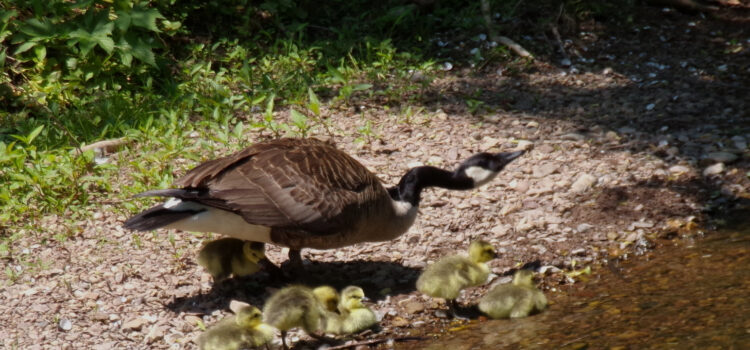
402,208
480,175
216,220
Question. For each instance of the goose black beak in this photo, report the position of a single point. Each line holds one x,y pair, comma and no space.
509,156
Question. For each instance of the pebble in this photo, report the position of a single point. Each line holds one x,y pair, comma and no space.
679,169
524,145
583,183
720,157
573,136
584,227
739,142
65,325
544,169
715,169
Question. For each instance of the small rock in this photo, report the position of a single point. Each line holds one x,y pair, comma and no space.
413,307
720,157
583,183
584,227
573,136
500,230
739,142
532,124
626,130
399,322
612,236
134,324
544,169
524,145
715,169
65,325
612,136
679,169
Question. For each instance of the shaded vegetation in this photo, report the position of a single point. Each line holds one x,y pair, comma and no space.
167,73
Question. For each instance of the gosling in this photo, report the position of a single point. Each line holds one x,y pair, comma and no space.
297,306
230,256
448,276
355,316
517,299
243,330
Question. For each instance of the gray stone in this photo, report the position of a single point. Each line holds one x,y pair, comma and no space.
583,183
715,169
65,325
584,227
739,142
545,169
720,157
573,136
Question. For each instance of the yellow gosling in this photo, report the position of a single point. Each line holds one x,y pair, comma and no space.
448,276
517,299
243,330
230,256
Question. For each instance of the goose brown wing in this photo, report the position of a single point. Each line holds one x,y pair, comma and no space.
294,183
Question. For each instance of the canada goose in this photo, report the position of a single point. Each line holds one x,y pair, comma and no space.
355,316
449,275
297,306
517,299
245,329
226,256
303,193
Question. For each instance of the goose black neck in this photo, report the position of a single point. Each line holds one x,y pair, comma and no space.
416,179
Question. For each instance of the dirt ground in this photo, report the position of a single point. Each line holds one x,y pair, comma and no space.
642,139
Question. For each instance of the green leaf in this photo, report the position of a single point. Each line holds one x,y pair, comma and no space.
144,17
3,55
361,87
299,119
40,52
37,29
123,20
314,102
34,133
24,47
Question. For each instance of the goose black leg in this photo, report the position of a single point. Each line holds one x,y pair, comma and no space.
295,259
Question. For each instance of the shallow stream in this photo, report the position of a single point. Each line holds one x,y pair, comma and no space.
694,295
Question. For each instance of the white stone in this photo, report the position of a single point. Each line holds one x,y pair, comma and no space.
715,169
583,183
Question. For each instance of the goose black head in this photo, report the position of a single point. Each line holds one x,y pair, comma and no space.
483,167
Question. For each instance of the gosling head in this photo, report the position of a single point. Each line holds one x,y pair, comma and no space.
254,251
523,278
351,298
481,251
327,296
483,167
248,317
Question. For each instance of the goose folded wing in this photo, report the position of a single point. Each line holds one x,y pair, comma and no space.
290,188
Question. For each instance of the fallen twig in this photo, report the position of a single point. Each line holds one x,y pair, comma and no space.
518,49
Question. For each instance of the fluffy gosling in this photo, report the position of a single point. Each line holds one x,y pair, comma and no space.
243,330
355,316
448,276
297,306
230,256
517,299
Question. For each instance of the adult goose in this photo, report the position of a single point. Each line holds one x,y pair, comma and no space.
303,193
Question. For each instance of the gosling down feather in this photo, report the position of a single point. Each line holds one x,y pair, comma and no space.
297,306
517,299
303,193
448,276
231,256
243,330
354,316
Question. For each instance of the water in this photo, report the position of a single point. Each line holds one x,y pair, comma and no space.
695,295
